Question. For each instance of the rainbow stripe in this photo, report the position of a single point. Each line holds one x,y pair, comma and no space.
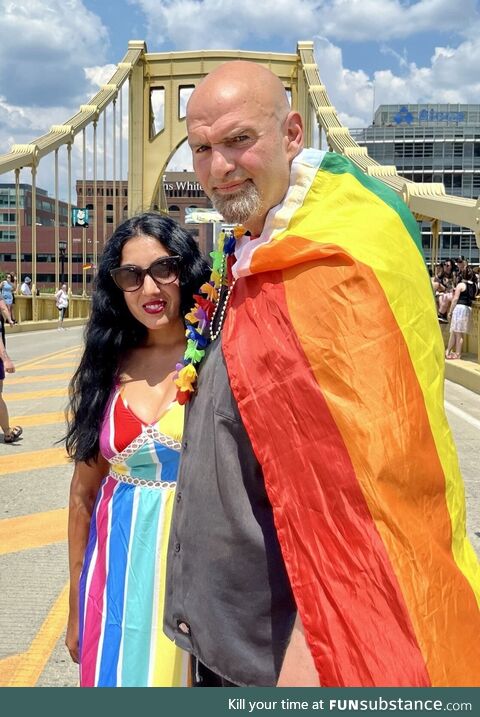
337,318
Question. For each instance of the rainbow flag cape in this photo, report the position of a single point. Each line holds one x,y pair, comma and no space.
336,361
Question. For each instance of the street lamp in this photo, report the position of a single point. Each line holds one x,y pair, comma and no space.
62,248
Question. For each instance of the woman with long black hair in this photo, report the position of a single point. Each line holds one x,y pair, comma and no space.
124,435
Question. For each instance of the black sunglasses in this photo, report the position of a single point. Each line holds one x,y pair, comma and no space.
131,277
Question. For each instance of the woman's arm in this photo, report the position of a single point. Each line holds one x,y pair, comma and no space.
7,361
84,487
4,311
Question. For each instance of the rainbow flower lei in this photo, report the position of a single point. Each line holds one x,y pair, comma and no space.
198,319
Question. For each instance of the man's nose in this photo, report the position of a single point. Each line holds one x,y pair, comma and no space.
221,164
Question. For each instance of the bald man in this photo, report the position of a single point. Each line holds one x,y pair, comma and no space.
311,541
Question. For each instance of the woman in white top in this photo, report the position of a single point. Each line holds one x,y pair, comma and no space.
61,298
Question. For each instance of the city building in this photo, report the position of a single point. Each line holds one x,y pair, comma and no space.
181,193
431,143
45,234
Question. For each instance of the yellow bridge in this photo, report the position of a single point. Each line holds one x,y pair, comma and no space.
157,85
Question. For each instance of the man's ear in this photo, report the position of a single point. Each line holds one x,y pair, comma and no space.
294,133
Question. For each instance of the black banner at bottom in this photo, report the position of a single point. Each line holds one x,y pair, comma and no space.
239,702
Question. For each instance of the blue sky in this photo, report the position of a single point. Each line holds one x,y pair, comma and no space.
55,53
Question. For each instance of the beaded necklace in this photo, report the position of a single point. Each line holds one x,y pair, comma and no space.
210,309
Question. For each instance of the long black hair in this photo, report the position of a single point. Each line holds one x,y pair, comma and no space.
111,330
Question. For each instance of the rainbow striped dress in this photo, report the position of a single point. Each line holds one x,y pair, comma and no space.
122,583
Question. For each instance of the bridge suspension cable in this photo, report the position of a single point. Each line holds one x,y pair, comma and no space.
85,155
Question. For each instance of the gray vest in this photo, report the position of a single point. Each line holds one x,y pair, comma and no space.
228,598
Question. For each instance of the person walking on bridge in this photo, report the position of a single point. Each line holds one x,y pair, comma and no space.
10,433
319,536
61,301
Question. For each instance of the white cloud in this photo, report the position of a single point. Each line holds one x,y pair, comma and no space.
44,48
210,24
182,159
350,91
363,20
449,78
190,24
99,75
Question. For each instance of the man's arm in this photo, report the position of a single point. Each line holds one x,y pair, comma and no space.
298,669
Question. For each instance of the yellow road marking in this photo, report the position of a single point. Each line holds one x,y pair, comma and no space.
33,460
34,660
45,357
50,365
33,531
38,419
8,667
15,380
28,395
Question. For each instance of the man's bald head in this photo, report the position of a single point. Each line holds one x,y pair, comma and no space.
242,81
244,137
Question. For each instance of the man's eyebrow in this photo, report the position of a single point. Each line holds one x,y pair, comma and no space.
227,135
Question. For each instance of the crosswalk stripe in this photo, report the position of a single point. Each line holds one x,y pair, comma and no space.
33,531
32,460
38,419
45,357
35,659
15,379
8,668
52,366
28,395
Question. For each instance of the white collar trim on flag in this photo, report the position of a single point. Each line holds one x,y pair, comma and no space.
303,170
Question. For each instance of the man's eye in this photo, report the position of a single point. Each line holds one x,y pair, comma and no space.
202,148
239,138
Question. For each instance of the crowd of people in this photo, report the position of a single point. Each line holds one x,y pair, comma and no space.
456,285
248,505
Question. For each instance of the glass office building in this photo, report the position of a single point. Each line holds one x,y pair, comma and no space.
431,143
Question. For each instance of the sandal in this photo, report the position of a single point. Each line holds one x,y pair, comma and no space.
13,434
